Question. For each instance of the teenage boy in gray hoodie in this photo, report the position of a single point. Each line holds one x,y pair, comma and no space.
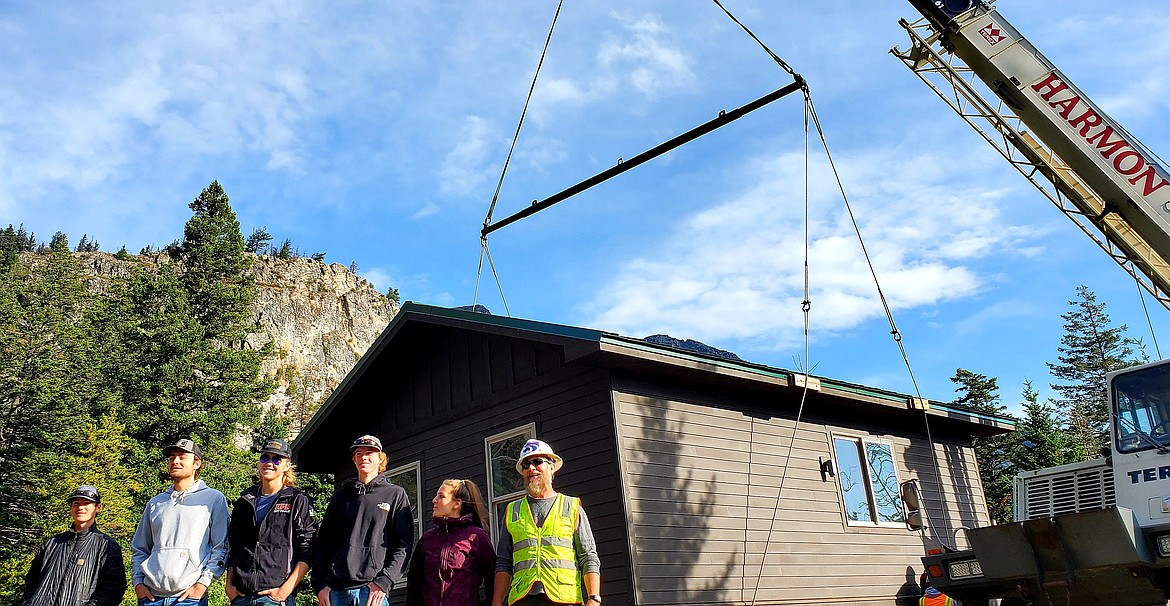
180,545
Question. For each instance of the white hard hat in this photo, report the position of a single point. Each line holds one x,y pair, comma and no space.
534,448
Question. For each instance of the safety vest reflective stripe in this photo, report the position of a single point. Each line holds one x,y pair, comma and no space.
559,542
548,563
940,600
545,553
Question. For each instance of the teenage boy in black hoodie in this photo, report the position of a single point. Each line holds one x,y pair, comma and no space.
366,534
270,535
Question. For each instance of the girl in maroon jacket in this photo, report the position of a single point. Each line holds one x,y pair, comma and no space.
455,558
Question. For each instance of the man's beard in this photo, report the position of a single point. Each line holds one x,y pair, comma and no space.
536,487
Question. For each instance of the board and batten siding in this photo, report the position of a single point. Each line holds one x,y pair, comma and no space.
701,485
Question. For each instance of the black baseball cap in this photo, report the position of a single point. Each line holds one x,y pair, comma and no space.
87,492
185,445
366,441
277,446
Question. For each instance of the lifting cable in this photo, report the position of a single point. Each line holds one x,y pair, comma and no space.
806,304
483,250
1149,322
897,335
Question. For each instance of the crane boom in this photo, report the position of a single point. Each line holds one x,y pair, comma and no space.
1095,532
1075,153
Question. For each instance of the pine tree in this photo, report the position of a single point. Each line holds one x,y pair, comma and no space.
258,242
1089,349
980,393
60,242
1040,440
48,386
215,272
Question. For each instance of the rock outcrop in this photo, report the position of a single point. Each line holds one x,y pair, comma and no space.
320,317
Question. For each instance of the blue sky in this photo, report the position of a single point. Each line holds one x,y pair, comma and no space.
375,132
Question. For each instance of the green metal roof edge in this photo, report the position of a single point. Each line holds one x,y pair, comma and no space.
644,345
776,373
978,415
558,330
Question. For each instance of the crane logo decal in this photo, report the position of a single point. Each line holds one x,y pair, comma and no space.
992,34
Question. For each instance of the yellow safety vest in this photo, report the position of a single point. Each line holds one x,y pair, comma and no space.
545,553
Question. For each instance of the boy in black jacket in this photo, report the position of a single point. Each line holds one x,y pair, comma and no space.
366,534
79,566
270,535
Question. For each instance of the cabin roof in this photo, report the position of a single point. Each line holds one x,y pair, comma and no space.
607,349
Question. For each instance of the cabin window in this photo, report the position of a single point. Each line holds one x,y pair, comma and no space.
505,484
407,476
869,482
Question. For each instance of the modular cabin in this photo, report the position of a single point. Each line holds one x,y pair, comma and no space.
678,457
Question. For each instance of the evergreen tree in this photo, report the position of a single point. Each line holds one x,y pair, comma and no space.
60,242
285,250
215,272
83,245
1041,442
980,393
122,253
48,386
12,243
259,241
1089,349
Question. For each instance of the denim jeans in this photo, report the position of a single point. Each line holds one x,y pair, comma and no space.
262,600
173,602
352,597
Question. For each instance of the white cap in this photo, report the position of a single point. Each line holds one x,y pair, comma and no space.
537,448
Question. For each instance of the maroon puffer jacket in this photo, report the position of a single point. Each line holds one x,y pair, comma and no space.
450,563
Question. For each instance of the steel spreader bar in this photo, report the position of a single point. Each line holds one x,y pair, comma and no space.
724,117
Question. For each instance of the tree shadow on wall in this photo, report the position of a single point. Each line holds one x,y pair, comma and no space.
681,558
956,505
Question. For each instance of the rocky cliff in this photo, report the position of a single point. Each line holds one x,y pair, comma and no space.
320,317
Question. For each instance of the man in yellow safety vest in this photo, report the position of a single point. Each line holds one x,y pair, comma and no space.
547,553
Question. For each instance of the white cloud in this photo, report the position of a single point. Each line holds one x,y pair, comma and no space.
427,210
466,169
645,58
381,278
734,271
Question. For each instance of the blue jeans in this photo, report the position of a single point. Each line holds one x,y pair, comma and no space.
262,600
352,597
173,602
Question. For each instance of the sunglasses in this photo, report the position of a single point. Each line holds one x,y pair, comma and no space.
534,462
274,459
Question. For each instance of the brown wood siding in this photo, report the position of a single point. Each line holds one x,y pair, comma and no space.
702,483
573,411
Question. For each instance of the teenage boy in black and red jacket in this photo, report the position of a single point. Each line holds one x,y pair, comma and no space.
271,534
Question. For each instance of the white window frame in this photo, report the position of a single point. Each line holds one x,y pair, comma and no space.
860,442
494,499
415,466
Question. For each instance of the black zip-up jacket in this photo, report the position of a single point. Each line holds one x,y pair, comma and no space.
365,536
263,557
76,569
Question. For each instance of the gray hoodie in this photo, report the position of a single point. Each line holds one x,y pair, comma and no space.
180,540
